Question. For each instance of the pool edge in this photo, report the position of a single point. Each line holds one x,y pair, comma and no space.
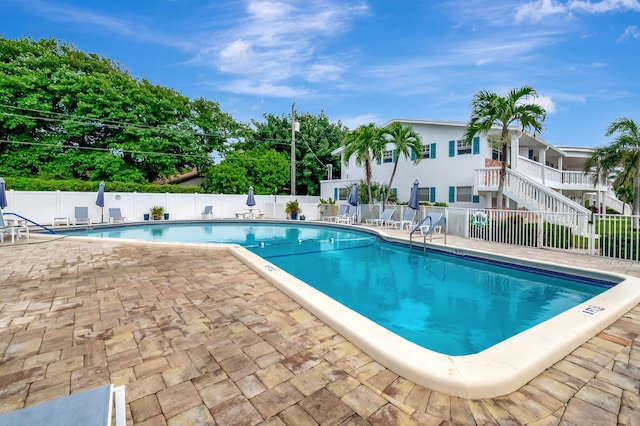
496,371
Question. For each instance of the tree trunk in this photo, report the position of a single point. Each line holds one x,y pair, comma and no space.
387,193
367,171
636,202
503,175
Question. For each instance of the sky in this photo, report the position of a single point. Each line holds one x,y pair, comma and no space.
366,61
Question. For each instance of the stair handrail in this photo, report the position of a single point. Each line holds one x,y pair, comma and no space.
549,192
51,231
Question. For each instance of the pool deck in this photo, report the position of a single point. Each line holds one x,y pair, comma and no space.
199,338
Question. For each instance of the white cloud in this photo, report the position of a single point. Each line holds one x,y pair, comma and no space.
537,10
630,32
276,41
264,89
359,120
546,103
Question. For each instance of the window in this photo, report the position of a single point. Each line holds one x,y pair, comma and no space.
424,194
426,151
464,194
387,157
496,154
343,193
462,147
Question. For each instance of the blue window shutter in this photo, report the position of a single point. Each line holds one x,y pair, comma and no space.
452,194
335,194
452,148
530,154
476,199
433,150
413,155
394,156
432,194
378,160
476,145
394,191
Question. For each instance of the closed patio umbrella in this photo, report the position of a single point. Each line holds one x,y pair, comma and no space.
353,196
353,201
3,195
100,200
414,203
251,199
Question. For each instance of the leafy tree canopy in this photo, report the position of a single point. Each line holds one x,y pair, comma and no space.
267,170
315,141
66,114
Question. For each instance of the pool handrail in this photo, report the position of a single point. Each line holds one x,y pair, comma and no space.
429,232
51,231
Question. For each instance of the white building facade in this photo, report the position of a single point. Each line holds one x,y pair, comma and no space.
539,177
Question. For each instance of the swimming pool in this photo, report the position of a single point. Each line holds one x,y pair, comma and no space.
344,253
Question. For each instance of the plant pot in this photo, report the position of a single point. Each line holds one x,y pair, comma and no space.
166,216
145,216
294,216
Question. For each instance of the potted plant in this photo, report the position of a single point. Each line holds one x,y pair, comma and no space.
292,208
156,212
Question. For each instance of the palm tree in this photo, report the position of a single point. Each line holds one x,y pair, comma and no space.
405,140
621,155
489,110
366,144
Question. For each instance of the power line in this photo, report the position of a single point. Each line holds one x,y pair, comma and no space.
116,151
119,125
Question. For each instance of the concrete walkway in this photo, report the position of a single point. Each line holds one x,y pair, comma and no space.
199,338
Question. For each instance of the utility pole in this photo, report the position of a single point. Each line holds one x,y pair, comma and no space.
293,149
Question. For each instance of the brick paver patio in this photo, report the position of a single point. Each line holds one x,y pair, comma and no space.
199,338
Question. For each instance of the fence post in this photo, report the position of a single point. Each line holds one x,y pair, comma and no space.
591,234
540,233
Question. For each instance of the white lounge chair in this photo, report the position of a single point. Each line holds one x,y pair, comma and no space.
384,218
81,216
408,220
207,213
91,407
350,216
341,212
115,215
7,230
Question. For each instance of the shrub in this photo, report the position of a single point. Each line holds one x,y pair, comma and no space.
35,184
621,246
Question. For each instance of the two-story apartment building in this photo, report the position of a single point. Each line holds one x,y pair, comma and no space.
540,176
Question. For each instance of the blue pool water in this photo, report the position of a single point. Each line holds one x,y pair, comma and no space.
450,304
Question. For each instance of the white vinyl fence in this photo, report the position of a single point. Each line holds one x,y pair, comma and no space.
42,206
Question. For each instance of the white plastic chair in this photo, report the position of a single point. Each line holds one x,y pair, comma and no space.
81,216
115,215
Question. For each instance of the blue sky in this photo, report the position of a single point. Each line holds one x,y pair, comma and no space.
366,61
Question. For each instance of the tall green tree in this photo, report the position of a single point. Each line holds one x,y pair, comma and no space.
621,156
492,111
407,144
76,115
315,141
365,144
265,169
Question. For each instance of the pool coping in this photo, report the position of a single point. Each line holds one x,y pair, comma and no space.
496,371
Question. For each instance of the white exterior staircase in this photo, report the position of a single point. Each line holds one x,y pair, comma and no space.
533,196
